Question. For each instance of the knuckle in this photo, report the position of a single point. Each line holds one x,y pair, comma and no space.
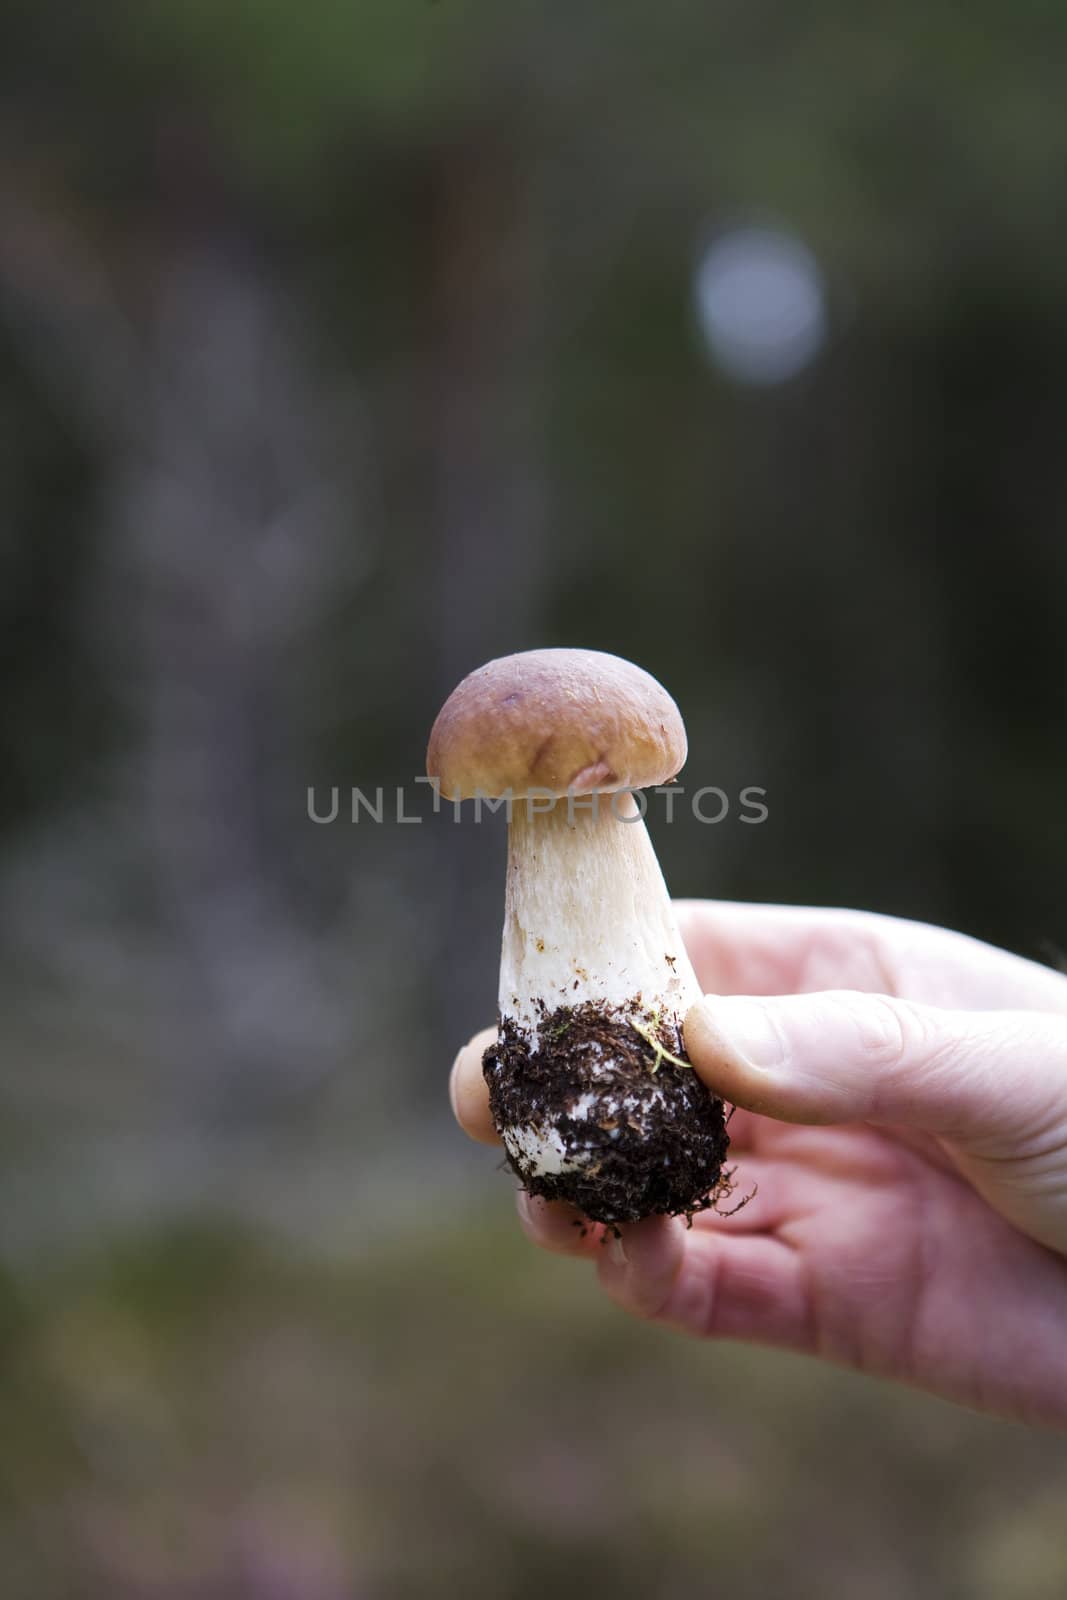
890,1032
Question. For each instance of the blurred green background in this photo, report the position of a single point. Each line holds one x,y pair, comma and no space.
343,346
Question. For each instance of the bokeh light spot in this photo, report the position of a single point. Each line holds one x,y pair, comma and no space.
761,301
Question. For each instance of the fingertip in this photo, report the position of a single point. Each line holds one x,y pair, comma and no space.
712,1055
469,1092
555,1226
718,1062
481,1042
699,1034
638,1268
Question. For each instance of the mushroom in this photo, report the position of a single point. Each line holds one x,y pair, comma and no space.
589,1084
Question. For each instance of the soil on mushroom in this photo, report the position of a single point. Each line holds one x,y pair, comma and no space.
643,1136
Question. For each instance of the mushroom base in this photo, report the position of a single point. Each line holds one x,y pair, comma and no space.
597,1116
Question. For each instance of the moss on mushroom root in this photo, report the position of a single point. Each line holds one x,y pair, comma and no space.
642,1135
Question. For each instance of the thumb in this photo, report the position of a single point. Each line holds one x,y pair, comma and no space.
992,1082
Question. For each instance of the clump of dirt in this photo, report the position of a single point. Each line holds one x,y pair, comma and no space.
634,1133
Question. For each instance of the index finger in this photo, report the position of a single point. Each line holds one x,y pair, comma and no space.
738,948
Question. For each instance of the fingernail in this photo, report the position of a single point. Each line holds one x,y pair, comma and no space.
615,1252
748,1027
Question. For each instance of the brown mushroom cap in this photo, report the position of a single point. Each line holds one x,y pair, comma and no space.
556,722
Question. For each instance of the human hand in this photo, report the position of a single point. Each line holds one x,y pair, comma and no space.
903,1121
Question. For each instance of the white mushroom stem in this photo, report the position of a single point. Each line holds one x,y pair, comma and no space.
587,915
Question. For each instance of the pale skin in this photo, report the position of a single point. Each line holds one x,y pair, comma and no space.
901,1098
